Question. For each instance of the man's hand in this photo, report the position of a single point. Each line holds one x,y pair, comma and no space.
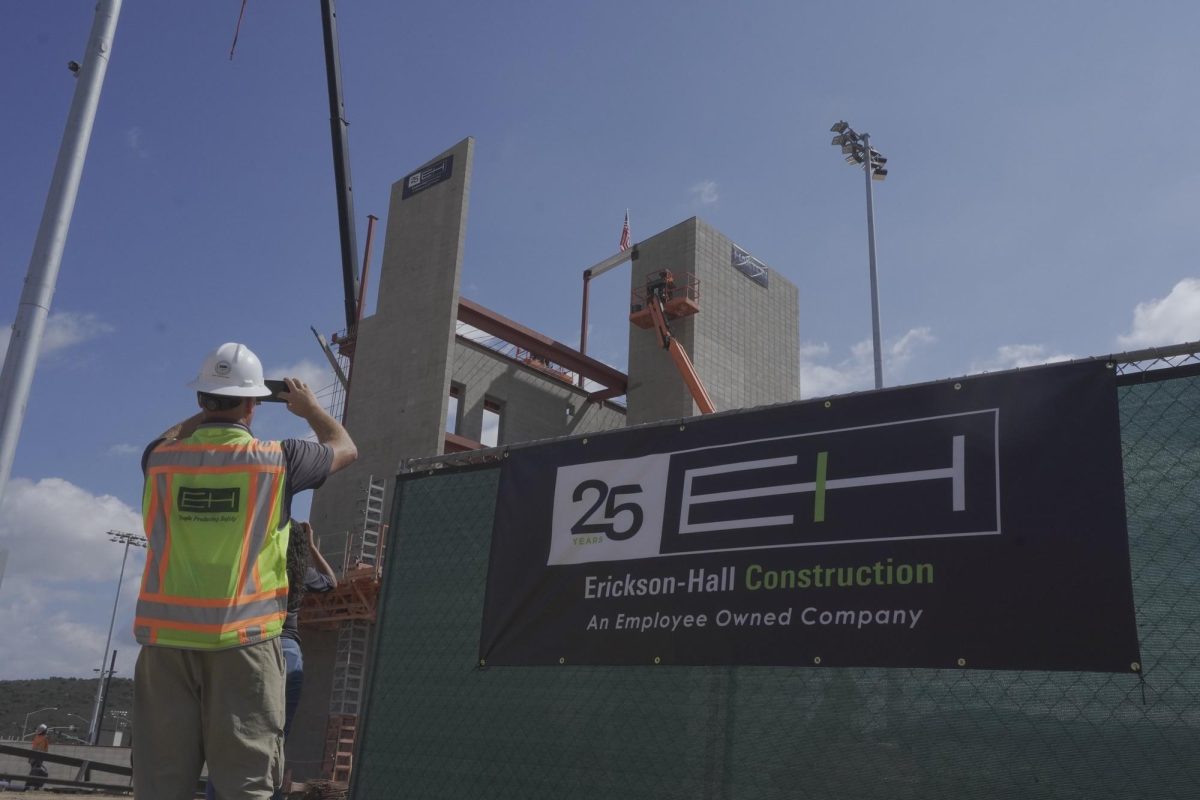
306,530
300,399
304,404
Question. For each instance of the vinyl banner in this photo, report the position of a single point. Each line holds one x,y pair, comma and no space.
977,523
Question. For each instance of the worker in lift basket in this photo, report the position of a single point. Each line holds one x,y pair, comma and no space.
209,680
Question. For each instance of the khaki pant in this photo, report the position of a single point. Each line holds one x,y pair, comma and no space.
220,706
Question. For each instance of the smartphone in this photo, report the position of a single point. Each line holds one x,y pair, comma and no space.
276,387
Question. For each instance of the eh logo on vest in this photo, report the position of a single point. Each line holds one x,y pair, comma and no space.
209,501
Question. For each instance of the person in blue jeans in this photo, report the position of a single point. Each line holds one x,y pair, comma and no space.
308,571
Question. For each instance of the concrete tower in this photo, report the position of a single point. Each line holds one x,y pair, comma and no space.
744,342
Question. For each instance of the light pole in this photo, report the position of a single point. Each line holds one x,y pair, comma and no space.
25,724
16,376
121,537
857,150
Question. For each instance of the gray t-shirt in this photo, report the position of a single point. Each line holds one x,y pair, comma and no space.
306,464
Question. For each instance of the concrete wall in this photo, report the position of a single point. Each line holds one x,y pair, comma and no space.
534,405
397,408
107,755
398,404
655,389
744,343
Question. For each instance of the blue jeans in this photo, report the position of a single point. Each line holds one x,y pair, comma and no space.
293,680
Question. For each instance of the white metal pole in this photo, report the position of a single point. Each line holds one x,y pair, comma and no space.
868,169
21,359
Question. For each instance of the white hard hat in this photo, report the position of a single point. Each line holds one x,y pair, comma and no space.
41,728
231,370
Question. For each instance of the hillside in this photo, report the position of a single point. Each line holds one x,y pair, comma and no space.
73,698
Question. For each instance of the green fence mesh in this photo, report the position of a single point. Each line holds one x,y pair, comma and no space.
439,728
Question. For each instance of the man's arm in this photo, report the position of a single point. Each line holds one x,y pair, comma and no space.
304,404
318,560
182,430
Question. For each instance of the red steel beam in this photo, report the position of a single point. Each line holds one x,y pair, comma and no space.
475,315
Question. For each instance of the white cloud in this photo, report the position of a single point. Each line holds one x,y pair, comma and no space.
67,328
317,375
42,641
705,193
63,329
56,596
899,352
1174,319
125,449
57,529
857,371
1016,356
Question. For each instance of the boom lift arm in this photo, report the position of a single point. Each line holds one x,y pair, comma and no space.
654,301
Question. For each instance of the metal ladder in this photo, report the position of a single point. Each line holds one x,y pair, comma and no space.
354,636
372,526
350,667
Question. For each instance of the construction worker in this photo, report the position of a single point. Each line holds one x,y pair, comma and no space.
209,680
37,768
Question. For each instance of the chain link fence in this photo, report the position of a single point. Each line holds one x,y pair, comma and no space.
438,728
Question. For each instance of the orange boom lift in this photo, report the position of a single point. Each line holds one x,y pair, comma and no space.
663,299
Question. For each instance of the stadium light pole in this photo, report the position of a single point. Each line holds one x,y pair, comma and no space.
857,149
120,537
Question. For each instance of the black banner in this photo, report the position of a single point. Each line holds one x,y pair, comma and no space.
977,523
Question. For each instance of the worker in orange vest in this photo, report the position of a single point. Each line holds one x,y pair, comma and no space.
37,768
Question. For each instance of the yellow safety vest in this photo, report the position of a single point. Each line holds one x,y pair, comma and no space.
216,561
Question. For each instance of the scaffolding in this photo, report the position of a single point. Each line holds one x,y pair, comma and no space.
350,608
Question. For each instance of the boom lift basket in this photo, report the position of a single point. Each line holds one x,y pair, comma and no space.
680,296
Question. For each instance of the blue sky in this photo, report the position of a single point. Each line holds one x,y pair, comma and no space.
1041,203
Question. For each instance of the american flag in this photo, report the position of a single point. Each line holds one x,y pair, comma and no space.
625,234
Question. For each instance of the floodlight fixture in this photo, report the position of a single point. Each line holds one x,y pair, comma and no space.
122,537
839,126
838,140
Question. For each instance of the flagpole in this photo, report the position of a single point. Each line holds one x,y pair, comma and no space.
588,274
583,325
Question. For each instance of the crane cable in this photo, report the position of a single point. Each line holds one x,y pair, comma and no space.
236,30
